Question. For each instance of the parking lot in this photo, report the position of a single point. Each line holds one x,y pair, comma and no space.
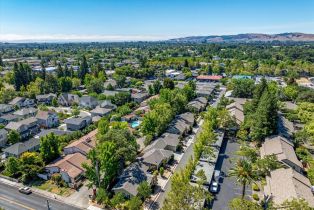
228,186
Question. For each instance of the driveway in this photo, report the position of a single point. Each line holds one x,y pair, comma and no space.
229,188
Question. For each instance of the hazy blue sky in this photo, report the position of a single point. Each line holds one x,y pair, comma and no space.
150,19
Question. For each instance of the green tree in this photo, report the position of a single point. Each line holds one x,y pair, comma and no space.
104,165
95,86
12,166
75,112
65,83
243,204
83,69
168,83
144,190
13,137
49,147
117,200
134,203
244,173
296,204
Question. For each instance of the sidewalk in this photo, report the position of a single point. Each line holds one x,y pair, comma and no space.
46,194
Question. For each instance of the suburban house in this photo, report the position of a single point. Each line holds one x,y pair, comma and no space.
25,128
77,123
17,102
47,119
139,97
197,105
285,127
285,184
236,110
25,113
46,98
110,82
5,119
3,137
284,151
105,108
88,102
28,102
67,99
70,167
16,150
182,124
83,145
5,109
131,178
168,141
155,158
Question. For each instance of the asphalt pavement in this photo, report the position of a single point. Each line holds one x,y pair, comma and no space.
12,199
228,186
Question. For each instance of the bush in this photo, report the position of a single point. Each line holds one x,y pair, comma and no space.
255,197
255,187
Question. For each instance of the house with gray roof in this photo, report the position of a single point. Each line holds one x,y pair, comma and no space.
45,98
6,109
197,105
139,97
25,128
16,150
88,102
47,119
155,158
3,137
287,184
131,178
5,119
98,111
168,141
283,149
67,99
18,102
77,123
25,113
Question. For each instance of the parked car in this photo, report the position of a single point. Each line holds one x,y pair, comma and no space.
214,187
25,190
217,175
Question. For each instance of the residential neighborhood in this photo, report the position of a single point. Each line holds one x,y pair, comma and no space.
135,105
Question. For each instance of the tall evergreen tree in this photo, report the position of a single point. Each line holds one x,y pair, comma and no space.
59,71
1,61
83,69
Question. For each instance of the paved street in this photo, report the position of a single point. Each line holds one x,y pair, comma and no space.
229,188
11,199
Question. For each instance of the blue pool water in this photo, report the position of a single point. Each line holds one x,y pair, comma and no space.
135,124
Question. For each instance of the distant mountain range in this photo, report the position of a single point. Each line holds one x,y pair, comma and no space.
250,37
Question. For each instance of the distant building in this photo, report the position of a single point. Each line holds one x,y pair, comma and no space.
209,78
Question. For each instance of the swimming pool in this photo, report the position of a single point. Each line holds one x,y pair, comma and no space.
135,124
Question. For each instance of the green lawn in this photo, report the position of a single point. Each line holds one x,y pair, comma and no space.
51,187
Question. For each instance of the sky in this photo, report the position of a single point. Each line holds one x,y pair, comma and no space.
133,20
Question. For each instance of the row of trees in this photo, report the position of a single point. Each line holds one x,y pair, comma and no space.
260,113
171,101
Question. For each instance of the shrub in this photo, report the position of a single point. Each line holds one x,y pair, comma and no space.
255,197
255,187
